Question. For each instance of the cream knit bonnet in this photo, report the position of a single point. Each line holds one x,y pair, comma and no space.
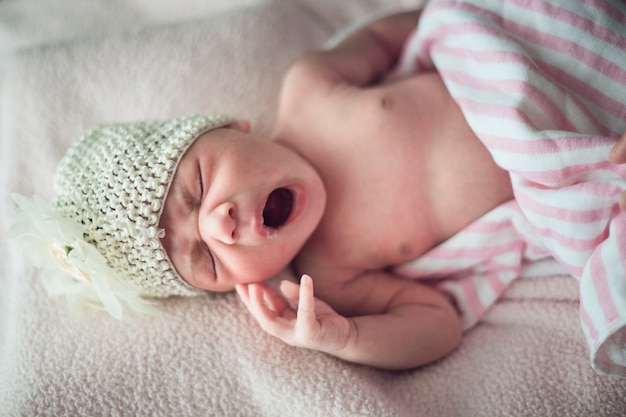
114,181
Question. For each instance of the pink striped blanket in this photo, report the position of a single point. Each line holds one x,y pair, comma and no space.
545,93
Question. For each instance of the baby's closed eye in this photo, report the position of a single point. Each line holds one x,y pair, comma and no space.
201,264
199,191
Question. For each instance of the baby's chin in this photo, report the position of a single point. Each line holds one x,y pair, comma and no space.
249,276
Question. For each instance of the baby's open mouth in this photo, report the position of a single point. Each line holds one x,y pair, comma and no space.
278,208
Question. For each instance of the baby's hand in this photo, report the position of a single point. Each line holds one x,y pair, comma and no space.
314,325
618,156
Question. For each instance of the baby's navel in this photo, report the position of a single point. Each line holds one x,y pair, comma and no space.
404,249
386,102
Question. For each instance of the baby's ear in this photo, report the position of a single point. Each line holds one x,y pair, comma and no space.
241,125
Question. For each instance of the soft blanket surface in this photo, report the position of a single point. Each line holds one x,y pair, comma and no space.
69,65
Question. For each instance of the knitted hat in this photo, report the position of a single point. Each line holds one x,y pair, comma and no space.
114,181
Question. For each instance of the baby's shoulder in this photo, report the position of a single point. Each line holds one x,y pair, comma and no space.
309,74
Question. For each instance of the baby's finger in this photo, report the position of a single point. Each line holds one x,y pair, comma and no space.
291,290
267,318
306,305
243,292
275,301
257,302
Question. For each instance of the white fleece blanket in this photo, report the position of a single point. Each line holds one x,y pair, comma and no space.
69,65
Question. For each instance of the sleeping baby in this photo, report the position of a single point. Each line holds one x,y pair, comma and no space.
409,175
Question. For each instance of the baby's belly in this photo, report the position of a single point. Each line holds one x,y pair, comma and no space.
389,198
429,182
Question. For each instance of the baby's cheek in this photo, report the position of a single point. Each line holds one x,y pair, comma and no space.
279,256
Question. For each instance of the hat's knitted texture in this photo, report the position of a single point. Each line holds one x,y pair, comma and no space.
114,181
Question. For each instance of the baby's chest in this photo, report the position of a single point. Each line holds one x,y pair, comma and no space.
377,211
378,181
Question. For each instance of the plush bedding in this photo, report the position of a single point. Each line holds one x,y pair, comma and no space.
68,65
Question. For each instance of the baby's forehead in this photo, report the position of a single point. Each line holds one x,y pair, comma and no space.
215,140
209,136
202,149
206,140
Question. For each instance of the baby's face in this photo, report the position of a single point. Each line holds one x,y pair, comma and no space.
239,209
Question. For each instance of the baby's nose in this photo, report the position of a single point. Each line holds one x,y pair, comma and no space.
219,224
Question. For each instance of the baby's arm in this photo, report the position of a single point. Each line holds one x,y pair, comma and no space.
359,61
363,57
390,323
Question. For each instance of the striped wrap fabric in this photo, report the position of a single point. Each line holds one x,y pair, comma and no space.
543,86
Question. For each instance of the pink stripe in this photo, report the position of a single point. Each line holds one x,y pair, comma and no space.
580,245
463,28
564,46
493,56
560,177
619,228
543,70
606,8
598,189
495,110
526,89
584,317
589,92
606,67
590,58
470,295
565,143
573,216
581,23
497,283
599,278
